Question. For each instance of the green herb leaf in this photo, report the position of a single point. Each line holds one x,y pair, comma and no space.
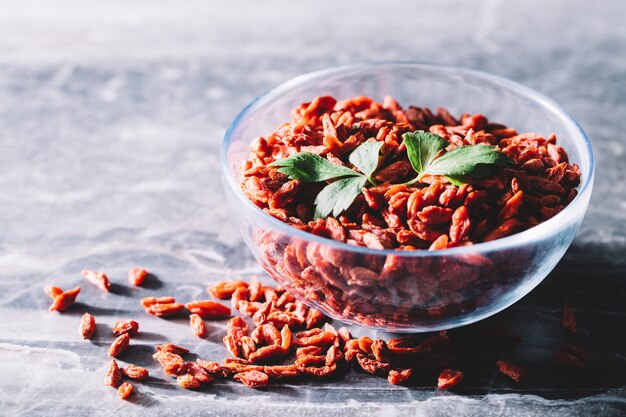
365,157
309,167
422,148
457,180
338,196
468,160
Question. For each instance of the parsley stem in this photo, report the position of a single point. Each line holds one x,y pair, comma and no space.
413,181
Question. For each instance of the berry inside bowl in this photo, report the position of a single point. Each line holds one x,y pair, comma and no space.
408,290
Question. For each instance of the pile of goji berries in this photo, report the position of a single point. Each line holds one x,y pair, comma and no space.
430,214
288,340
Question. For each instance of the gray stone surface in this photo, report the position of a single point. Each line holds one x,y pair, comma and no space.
111,119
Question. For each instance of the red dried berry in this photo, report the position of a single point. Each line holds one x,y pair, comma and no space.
515,372
449,378
65,300
113,376
252,379
135,372
87,326
172,348
119,345
188,381
125,326
98,279
125,390
197,325
136,276
399,376
208,309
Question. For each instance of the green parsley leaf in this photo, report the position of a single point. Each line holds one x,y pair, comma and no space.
456,180
365,157
468,160
309,167
422,148
338,196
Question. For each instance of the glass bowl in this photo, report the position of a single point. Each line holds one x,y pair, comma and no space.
407,291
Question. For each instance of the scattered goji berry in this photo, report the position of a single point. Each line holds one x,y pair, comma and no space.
197,325
136,276
135,372
119,345
113,376
87,326
449,378
252,379
98,279
515,372
125,326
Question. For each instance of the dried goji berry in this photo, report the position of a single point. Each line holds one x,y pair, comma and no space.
240,294
162,309
309,350
52,291
237,327
149,301
399,376
266,333
125,326
313,318
119,345
515,372
333,355
282,318
208,309
125,390
449,378
372,366
267,353
281,371
380,351
310,360
260,316
248,346
197,325
98,279
136,276
255,289
172,363
318,339
365,344
87,326
135,372
320,372
188,381
198,372
285,338
225,289
113,376
253,379
172,348
65,300
232,344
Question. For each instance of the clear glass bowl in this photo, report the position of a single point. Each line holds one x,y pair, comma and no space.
412,291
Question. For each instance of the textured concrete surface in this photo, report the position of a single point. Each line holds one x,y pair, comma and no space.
111,119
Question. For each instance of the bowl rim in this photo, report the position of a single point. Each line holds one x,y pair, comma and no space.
516,239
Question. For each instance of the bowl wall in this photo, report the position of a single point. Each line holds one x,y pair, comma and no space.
408,290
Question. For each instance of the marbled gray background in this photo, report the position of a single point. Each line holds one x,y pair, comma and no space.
111,119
